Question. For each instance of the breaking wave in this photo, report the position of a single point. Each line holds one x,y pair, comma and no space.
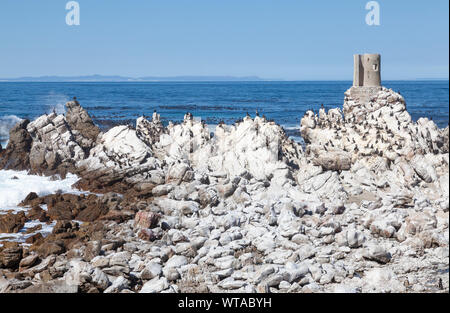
6,123
56,102
16,185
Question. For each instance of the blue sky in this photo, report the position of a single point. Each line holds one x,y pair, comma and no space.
283,39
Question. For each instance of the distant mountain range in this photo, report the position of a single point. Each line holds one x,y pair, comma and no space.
103,78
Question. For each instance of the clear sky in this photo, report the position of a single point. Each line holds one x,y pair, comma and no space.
283,39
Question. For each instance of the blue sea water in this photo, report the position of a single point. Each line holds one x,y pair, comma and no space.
285,102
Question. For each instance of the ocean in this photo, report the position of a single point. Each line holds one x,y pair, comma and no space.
285,102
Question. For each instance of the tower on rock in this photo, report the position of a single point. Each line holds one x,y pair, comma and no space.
367,70
366,85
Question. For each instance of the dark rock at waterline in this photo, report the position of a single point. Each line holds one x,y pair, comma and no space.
37,213
35,239
33,229
92,212
65,226
16,154
28,199
67,235
68,207
12,223
118,216
10,257
86,208
51,247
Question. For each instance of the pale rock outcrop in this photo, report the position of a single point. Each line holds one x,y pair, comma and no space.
374,122
183,140
254,146
246,210
52,143
150,131
85,276
119,157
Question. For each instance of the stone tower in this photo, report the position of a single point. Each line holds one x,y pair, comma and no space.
367,70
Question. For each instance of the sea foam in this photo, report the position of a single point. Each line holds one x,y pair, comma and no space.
15,186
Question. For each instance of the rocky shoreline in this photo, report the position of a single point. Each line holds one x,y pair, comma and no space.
364,208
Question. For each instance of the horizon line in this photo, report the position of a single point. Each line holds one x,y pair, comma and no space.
182,78
211,80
